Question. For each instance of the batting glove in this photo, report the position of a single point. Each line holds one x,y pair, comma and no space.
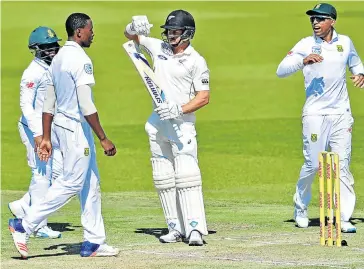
168,111
140,25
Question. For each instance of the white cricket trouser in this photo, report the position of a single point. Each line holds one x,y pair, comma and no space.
80,177
178,181
322,133
42,173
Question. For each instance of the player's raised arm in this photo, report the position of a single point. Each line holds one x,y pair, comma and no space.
139,26
295,60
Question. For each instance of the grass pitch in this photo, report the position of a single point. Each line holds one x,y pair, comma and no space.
249,139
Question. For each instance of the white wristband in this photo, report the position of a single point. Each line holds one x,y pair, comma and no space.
129,29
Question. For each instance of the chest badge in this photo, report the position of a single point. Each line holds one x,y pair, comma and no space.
316,49
339,48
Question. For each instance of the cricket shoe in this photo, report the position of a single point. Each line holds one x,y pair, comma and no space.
47,232
172,237
195,239
347,227
300,217
20,237
89,249
16,209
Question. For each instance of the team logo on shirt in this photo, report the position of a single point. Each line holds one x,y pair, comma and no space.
88,69
339,48
86,151
162,57
313,137
316,49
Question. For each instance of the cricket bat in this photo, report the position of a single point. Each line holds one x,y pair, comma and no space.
149,78
145,72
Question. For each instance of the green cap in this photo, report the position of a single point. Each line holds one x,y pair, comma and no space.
323,9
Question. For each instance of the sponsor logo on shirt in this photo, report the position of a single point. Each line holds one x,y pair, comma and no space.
162,57
313,137
204,81
316,49
86,151
339,48
29,85
88,69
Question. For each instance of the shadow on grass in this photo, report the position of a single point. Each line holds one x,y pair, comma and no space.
158,232
63,227
69,249
315,222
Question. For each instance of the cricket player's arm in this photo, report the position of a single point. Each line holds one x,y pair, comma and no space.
356,67
28,89
201,99
293,61
201,84
48,112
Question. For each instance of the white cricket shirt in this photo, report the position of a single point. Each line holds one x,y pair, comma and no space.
180,75
70,68
33,88
325,82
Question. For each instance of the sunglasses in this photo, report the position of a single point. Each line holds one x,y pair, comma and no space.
319,18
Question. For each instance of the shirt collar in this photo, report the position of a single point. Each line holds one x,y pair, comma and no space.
186,52
335,38
41,63
73,44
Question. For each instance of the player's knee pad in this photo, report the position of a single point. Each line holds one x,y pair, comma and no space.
187,172
163,173
189,188
164,182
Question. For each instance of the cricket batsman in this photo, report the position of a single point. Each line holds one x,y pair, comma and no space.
184,78
43,41
327,120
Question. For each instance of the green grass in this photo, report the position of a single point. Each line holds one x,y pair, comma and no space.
250,147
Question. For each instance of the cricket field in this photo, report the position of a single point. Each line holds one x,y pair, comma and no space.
250,147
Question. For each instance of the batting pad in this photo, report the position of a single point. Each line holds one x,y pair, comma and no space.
189,188
164,182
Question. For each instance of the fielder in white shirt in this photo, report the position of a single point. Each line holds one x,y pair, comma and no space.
184,78
43,41
327,120
72,78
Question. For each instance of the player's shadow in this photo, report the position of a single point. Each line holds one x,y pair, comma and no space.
69,249
315,222
63,227
158,232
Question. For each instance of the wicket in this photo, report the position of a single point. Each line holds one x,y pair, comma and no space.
328,172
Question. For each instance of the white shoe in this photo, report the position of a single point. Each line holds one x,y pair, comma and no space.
89,249
106,250
47,232
171,237
300,216
20,237
195,239
16,209
347,227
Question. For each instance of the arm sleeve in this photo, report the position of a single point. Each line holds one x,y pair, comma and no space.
354,63
201,79
84,73
84,94
28,89
49,100
151,45
293,61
